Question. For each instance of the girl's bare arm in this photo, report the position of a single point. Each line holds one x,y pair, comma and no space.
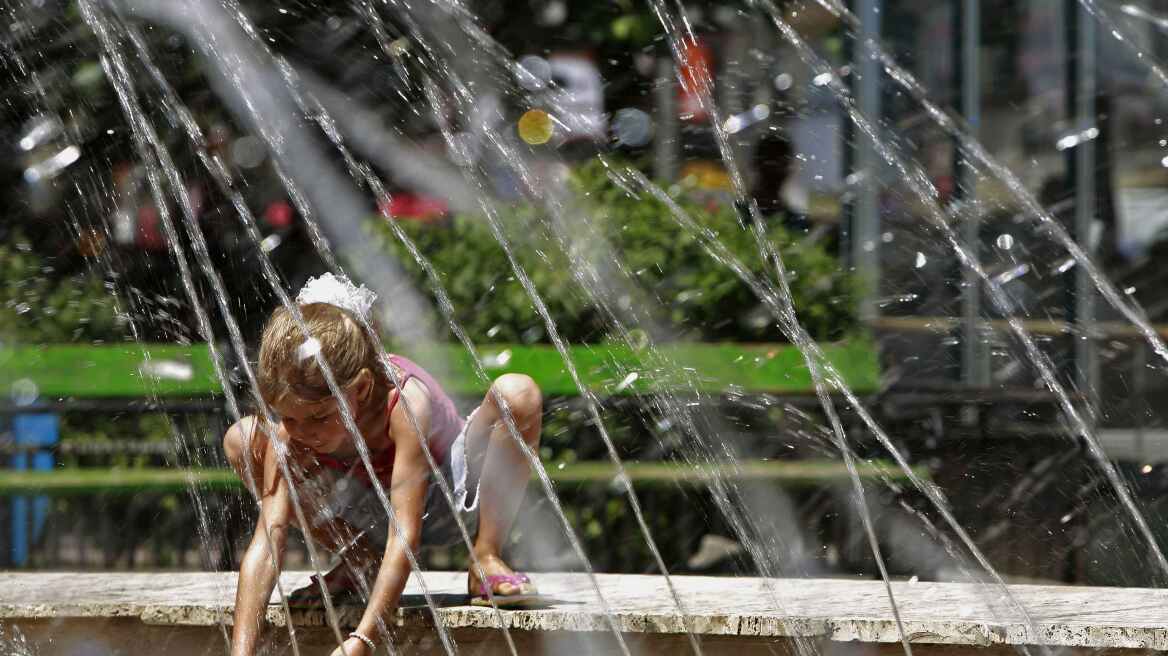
411,475
257,571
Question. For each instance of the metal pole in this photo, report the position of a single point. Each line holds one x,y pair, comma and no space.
975,370
1140,392
865,233
847,136
1086,364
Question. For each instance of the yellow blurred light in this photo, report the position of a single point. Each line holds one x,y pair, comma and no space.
535,127
706,175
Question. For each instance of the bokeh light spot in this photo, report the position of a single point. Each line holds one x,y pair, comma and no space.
24,392
535,127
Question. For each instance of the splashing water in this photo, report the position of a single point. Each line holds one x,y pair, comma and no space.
462,68
925,192
14,643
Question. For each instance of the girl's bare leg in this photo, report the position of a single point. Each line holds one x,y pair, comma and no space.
497,464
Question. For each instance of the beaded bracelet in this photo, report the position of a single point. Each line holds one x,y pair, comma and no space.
365,639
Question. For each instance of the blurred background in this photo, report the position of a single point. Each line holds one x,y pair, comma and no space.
969,198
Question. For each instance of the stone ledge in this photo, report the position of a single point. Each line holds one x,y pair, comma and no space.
835,610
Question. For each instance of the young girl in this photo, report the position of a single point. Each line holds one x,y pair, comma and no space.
478,457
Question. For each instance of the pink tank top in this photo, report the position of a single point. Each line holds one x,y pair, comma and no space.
445,424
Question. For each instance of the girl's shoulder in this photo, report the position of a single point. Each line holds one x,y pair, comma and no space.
410,404
413,395
401,367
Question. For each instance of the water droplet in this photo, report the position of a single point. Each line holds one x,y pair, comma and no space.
783,81
628,380
399,47
1005,241
499,360
270,243
921,260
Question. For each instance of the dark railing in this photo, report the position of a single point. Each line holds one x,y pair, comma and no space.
175,529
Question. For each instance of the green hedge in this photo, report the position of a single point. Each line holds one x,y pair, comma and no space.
39,306
699,298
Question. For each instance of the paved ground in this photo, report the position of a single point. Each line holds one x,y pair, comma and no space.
826,609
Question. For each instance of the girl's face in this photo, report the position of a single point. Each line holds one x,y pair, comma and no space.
318,424
313,424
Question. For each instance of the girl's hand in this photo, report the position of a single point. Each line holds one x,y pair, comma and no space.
353,647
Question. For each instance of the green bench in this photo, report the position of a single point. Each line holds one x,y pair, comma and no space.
168,371
66,377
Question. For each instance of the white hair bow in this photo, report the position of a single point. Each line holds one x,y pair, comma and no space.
340,292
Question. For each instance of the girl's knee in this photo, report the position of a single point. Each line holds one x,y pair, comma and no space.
235,443
520,393
233,446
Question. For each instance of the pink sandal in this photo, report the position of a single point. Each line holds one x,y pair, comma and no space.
527,595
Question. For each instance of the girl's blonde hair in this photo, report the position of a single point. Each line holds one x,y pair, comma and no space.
286,369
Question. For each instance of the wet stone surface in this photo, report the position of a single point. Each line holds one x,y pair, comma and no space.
831,610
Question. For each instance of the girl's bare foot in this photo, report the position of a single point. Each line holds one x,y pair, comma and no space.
504,581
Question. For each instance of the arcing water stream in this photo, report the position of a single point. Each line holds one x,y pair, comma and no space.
263,87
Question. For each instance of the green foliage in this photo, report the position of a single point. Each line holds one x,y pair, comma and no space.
38,306
693,295
490,303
